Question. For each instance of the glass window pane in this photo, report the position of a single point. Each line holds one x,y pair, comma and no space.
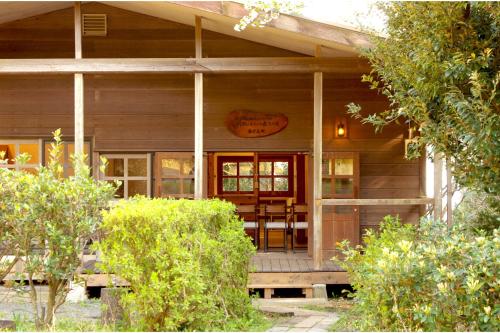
170,186
137,167
265,184
229,184
119,192
188,185
343,186
30,170
32,150
344,166
246,184
10,152
281,184
281,168
246,168
229,169
137,187
170,167
188,167
327,187
115,167
327,167
265,168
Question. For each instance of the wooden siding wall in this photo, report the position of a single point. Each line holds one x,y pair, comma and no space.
156,112
130,35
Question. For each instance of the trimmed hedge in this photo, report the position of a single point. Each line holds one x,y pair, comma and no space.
186,261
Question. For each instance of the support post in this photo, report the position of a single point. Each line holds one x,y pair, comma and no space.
78,79
198,118
318,153
449,194
438,186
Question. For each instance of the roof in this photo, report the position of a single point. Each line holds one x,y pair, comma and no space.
288,32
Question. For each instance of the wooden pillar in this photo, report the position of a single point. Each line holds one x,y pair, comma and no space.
198,118
438,185
449,194
318,153
78,79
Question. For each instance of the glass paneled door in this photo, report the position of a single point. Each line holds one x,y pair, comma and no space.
340,173
174,175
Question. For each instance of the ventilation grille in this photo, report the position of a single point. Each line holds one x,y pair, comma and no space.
94,25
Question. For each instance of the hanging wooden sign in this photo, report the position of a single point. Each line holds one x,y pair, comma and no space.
251,124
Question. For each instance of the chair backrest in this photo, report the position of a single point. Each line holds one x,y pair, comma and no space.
247,212
300,209
275,209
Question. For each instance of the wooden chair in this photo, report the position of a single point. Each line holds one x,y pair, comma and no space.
299,222
275,220
249,215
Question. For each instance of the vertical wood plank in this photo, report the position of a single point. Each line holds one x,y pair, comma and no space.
422,179
78,113
198,135
78,30
197,37
318,152
449,194
438,185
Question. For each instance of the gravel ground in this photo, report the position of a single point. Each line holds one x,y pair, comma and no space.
17,304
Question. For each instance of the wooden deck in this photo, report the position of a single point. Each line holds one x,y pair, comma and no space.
280,262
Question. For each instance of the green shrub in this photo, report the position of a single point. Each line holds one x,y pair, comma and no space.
48,220
479,211
425,278
186,262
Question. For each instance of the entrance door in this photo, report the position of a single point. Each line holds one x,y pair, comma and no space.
340,180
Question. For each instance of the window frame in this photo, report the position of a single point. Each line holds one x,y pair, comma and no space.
290,176
220,174
17,143
125,178
332,157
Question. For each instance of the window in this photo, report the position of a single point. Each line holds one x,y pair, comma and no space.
236,175
339,175
275,176
13,148
134,172
68,149
174,175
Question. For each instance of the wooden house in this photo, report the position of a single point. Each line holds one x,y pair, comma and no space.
182,105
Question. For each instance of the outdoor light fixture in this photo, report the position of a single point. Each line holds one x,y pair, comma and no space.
340,131
341,128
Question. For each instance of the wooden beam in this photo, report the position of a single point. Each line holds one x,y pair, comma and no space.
79,113
78,78
198,136
197,37
78,30
449,194
377,202
438,185
318,153
185,65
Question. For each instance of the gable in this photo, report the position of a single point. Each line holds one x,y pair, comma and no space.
130,35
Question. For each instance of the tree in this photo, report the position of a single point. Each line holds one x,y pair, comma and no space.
261,12
438,65
56,217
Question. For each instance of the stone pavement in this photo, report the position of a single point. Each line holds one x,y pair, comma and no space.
296,318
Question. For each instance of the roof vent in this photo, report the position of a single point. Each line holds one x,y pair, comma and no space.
94,25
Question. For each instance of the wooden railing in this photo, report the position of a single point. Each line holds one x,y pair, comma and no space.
377,202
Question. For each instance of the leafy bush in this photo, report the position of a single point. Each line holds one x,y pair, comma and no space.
479,211
186,262
427,278
49,219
